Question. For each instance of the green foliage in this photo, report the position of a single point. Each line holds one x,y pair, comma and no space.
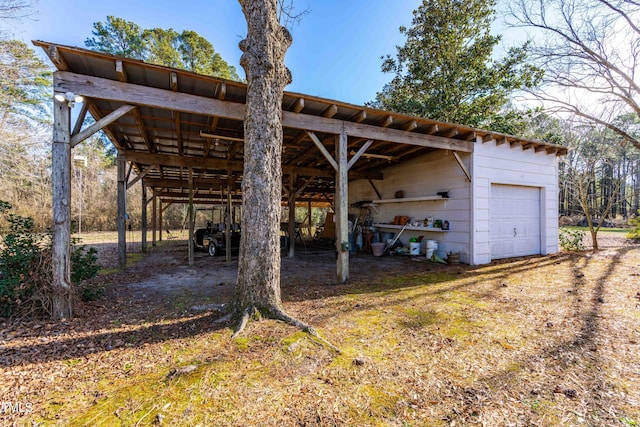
635,231
571,239
446,71
25,80
21,249
117,37
187,50
25,263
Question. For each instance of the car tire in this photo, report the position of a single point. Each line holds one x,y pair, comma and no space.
212,248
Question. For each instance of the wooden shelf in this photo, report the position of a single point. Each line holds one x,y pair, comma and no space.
408,199
409,227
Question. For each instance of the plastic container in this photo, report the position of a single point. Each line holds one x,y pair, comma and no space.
414,248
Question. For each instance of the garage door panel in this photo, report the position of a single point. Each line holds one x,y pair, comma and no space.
515,221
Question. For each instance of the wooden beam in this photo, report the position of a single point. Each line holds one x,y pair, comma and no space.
202,184
410,125
386,122
191,218
539,148
227,228
375,189
105,121
360,116
360,152
292,215
143,245
342,211
235,165
298,105
462,166
173,81
120,71
142,175
450,133
61,198
323,149
178,130
122,210
54,55
80,119
154,216
330,111
141,95
300,189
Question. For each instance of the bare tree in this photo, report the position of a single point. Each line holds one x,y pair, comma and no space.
15,9
588,167
258,285
590,51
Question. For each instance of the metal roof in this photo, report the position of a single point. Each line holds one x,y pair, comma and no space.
183,120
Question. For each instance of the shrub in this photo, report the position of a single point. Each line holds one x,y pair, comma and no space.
570,239
634,233
25,265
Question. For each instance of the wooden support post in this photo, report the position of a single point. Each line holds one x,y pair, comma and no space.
342,207
191,218
227,228
292,216
154,216
143,226
61,194
159,224
122,212
309,211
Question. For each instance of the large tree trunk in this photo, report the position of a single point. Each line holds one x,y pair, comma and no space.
258,286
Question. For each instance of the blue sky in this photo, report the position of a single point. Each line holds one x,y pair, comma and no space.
335,53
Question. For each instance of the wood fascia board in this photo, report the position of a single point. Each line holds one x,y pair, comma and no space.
100,88
100,124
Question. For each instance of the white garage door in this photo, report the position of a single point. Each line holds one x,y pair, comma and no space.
515,221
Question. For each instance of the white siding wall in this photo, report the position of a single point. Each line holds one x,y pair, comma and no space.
425,176
505,165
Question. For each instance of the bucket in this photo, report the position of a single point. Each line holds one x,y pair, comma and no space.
431,247
377,248
414,248
453,258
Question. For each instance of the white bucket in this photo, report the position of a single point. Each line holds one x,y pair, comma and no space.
432,246
414,248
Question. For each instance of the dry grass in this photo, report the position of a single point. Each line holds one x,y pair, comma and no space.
542,341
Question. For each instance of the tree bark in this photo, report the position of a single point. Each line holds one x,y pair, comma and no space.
258,286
